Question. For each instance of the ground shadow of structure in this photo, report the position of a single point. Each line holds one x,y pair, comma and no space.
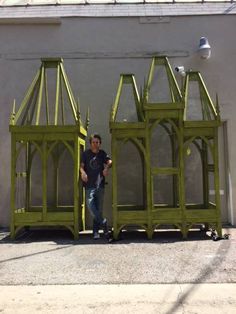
64,237
221,254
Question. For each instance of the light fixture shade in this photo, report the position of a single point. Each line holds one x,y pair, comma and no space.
204,48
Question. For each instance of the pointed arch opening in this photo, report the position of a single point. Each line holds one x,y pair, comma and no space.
60,177
21,177
163,145
194,175
199,173
66,179
36,177
130,175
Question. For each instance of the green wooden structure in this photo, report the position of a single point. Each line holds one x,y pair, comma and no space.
170,116
47,138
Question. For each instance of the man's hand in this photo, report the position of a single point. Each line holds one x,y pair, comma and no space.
106,168
105,171
84,176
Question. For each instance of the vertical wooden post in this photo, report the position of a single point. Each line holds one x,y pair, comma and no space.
57,95
175,181
217,182
144,176
62,104
44,164
205,173
76,186
149,179
82,191
46,98
181,177
28,175
114,186
39,101
13,184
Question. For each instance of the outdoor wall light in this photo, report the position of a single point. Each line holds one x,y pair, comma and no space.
204,49
180,70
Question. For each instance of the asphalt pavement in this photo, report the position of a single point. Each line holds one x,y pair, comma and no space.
47,271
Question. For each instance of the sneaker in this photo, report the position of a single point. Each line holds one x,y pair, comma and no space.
96,235
105,228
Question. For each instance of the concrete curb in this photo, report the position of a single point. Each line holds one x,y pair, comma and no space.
161,298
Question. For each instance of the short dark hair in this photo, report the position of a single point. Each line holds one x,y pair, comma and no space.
95,135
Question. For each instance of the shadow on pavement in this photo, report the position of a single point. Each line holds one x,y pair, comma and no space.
220,256
64,236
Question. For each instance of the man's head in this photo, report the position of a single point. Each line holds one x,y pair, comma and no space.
95,141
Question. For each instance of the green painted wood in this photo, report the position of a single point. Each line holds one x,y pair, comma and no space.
217,183
62,103
76,186
13,183
164,170
183,132
53,129
28,178
27,217
31,132
46,98
39,100
44,189
58,88
208,132
114,189
163,106
205,171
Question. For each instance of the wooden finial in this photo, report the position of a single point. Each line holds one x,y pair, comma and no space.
87,119
78,112
217,105
12,119
14,107
111,113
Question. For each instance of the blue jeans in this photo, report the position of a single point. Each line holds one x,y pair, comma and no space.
94,201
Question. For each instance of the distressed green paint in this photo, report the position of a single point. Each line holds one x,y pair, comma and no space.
205,169
39,101
33,136
57,95
206,130
44,190
184,132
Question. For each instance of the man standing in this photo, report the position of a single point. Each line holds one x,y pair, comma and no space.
95,164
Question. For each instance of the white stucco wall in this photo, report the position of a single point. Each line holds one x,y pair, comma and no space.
96,51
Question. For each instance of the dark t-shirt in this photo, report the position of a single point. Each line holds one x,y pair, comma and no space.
94,166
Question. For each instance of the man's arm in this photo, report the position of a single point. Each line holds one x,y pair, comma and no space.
84,176
106,167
